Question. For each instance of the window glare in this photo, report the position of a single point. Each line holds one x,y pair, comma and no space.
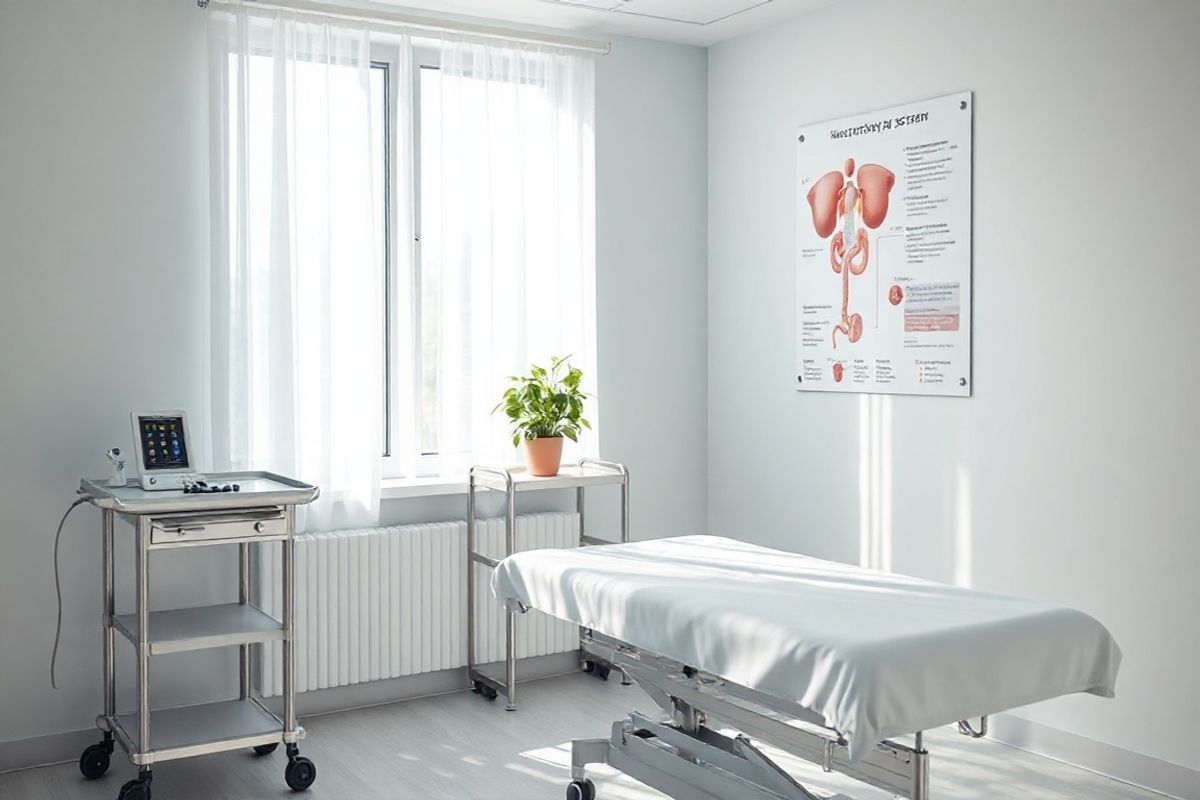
431,250
333,164
487,191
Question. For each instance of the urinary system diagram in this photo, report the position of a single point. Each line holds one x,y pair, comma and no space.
843,206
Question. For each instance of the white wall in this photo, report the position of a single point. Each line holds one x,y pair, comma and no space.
651,151
1068,476
103,216
103,202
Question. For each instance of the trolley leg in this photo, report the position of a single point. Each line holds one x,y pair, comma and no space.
142,558
510,636
289,625
300,772
625,510
579,503
110,683
244,599
470,574
579,494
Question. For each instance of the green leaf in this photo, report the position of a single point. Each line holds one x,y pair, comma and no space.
545,402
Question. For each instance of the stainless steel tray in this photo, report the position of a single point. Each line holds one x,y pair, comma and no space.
258,488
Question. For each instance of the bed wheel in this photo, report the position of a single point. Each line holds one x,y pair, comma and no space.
589,667
95,760
136,789
265,749
483,689
300,773
581,790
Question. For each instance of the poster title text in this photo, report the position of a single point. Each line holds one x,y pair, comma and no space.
879,126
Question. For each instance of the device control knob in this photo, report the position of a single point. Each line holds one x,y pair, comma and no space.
259,527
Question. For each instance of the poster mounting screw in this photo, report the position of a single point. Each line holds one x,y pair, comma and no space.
962,106
802,137
962,381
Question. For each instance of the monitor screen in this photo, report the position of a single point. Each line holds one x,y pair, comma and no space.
163,444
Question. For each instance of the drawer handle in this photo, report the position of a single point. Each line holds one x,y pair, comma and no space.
259,527
186,531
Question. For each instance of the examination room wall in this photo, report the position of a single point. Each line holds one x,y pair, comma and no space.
103,244
1069,475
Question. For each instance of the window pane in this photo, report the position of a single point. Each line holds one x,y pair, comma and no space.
328,212
381,188
431,251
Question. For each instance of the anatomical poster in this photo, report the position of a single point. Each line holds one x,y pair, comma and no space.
883,273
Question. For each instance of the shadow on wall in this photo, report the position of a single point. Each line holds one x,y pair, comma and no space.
877,515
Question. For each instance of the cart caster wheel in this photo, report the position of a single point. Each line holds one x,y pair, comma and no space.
300,773
602,672
136,789
265,749
94,761
477,687
581,790
589,667
486,691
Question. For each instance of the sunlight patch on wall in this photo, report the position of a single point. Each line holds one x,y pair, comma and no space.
962,527
875,481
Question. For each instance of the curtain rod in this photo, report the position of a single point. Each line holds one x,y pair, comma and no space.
409,22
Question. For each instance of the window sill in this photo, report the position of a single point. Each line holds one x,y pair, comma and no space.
401,488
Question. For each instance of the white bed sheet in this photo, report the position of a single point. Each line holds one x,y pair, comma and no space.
876,654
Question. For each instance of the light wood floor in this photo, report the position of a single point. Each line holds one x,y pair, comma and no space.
460,746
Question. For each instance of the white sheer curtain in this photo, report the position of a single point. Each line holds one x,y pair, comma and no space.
297,257
507,202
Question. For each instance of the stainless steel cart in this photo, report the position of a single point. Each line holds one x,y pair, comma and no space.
587,473
263,510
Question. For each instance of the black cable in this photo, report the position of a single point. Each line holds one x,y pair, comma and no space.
58,588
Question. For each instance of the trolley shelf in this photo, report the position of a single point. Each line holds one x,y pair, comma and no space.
202,628
568,477
588,472
210,727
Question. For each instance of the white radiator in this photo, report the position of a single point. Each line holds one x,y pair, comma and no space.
386,602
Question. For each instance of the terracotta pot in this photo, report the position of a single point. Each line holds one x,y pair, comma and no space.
543,456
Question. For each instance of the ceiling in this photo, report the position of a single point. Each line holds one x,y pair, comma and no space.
695,22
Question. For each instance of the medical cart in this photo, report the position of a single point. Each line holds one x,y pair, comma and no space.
589,472
262,510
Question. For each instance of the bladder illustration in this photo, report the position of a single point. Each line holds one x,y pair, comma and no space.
849,205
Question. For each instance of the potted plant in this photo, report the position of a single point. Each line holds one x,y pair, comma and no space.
545,406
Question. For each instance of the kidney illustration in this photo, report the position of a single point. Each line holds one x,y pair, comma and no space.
844,207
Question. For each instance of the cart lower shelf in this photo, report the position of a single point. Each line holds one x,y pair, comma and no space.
201,729
185,629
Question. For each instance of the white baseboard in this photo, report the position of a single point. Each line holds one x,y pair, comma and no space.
58,748
40,751
1136,769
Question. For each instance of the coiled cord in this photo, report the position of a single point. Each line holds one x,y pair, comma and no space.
58,588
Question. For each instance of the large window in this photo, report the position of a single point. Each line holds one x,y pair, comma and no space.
403,223
501,263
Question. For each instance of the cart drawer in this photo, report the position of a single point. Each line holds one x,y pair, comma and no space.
201,528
